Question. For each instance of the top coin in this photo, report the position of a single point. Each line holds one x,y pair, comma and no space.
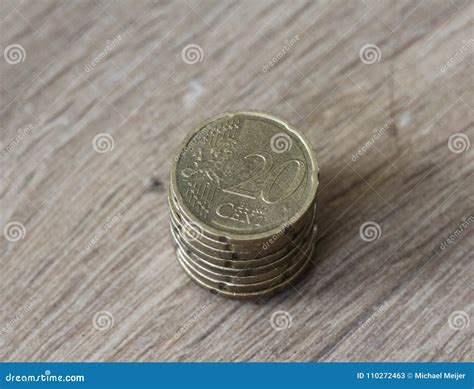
244,175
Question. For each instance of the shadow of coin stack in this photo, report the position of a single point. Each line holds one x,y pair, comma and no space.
242,204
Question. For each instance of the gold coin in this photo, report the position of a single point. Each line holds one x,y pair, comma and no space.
240,176
291,281
248,275
242,204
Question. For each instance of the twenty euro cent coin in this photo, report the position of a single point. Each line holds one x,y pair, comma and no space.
243,176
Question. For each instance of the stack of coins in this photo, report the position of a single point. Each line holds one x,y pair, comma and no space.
242,204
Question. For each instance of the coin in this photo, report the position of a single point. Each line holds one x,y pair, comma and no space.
250,287
244,276
241,176
244,268
242,204
251,294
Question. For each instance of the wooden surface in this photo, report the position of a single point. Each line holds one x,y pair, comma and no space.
96,226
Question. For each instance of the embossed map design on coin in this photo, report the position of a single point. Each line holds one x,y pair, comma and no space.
244,173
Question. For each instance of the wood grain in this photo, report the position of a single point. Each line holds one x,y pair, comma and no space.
96,227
